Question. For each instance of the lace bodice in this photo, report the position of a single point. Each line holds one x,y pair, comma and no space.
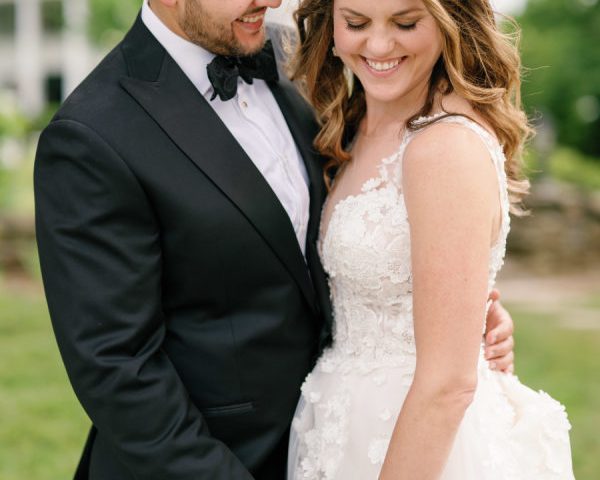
365,249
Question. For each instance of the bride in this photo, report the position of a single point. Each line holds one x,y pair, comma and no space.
412,237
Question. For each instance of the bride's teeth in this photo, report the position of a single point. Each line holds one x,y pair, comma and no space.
382,66
256,18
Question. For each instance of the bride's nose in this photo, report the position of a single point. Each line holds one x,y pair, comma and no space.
380,44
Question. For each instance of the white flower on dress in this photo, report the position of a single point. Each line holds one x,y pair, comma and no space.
372,184
385,415
379,379
377,450
314,397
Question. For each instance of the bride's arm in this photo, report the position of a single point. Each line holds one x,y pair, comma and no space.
451,194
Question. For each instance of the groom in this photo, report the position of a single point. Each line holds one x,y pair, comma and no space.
177,223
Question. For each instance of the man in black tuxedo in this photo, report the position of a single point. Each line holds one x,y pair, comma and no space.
177,237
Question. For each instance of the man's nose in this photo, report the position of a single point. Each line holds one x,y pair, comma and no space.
268,3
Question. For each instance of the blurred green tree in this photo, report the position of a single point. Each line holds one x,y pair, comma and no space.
12,125
110,19
560,52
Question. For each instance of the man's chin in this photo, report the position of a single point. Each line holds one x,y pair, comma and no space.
250,43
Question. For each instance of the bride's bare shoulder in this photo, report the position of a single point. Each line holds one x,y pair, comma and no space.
449,146
454,103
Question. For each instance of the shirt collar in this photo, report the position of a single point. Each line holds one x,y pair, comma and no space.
191,58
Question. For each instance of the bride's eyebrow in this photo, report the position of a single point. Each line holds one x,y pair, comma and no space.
349,11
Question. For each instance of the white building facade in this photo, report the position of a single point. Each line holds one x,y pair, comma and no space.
44,50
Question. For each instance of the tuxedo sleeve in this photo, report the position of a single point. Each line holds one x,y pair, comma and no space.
100,254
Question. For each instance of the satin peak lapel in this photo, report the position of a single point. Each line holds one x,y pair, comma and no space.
187,118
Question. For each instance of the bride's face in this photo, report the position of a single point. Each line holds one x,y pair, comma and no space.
390,45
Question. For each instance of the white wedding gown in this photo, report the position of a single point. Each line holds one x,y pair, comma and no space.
350,401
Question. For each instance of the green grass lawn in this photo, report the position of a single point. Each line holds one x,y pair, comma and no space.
42,427
566,364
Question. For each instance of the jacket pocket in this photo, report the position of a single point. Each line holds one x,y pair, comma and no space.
225,410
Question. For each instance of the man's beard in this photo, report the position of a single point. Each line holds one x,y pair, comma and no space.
216,38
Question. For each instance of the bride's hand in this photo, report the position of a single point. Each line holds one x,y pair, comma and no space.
499,341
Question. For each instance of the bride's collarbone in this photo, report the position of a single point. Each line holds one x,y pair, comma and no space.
370,150
366,160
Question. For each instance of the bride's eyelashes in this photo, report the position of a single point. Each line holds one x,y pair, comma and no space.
361,26
356,26
407,26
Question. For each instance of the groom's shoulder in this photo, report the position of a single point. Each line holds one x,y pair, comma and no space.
93,94
99,95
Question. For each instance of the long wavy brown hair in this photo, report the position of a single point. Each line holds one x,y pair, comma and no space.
478,62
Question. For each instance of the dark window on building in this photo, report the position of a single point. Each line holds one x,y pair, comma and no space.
52,16
54,86
7,19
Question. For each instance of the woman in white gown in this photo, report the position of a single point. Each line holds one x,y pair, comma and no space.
412,237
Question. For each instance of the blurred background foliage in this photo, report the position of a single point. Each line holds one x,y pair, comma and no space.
43,428
562,62
109,19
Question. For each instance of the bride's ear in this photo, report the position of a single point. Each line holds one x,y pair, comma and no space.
349,75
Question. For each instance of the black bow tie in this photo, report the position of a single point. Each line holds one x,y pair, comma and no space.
223,71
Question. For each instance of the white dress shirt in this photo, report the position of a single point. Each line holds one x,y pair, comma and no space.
254,119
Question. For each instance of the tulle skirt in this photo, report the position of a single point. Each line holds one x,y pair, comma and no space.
343,424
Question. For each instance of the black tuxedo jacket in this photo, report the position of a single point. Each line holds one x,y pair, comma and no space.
183,308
